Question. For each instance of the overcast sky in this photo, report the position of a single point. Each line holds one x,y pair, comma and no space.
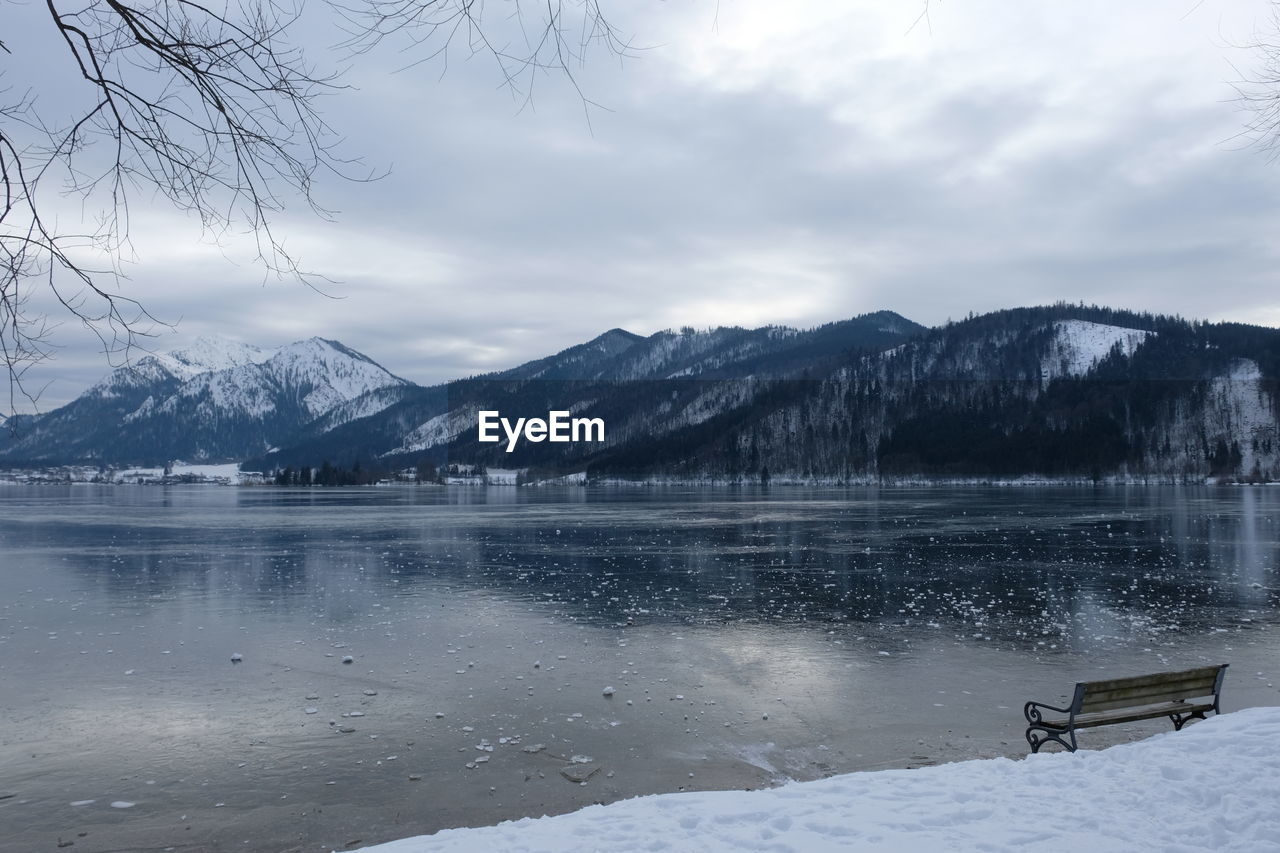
754,167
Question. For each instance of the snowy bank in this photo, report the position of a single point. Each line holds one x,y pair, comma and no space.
1213,786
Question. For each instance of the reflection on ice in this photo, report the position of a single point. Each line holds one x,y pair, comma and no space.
676,638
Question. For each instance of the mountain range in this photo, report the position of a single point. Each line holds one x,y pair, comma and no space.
1064,391
217,400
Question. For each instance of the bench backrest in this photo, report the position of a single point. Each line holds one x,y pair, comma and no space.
1148,689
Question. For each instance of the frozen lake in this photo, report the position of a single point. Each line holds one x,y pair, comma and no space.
749,636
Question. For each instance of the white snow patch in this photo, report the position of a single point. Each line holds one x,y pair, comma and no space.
363,406
1240,407
1078,345
229,470
577,478
1211,787
207,354
441,429
227,474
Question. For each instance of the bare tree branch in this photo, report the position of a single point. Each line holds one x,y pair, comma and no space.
523,39
1258,92
211,107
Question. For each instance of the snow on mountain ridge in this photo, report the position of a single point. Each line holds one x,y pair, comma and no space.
214,353
1078,345
370,403
438,430
204,355
335,373
325,374
147,370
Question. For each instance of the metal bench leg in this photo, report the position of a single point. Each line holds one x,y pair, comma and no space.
1038,736
1180,720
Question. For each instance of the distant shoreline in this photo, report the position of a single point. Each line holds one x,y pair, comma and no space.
131,477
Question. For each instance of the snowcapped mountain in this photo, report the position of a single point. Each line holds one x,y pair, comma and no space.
1066,392
1061,391
583,361
618,371
205,355
325,373
1056,392
217,400
725,351
210,354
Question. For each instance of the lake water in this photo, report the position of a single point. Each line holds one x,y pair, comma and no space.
749,637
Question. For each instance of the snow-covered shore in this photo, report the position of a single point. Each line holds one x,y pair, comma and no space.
1213,786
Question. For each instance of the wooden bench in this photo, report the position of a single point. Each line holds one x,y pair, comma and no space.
1180,696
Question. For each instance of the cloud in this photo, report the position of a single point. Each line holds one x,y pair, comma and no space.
763,165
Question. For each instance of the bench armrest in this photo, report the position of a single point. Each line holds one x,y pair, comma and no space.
1032,711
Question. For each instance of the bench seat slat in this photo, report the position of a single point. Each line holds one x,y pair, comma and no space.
1130,714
